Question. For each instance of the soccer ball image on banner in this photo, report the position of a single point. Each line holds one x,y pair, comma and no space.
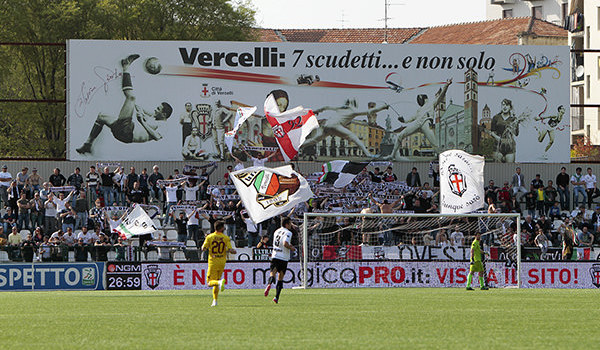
152,65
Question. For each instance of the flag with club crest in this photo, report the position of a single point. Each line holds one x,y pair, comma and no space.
268,192
290,127
461,182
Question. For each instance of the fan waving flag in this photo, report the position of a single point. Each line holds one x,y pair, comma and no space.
136,223
461,182
241,115
290,127
268,192
340,173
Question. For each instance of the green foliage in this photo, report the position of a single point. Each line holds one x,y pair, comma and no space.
38,72
487,146
360,318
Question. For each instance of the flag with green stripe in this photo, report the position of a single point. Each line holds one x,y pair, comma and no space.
340,173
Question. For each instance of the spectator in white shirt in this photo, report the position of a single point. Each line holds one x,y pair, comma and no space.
5,180
190,191
578,187
85,235
60,205
216,191
518,184
193,227
50,214
260,161
57,237
457,238
61,200
69,237
252,230
590,186
171,194
441,239
114,222
45,191
121,190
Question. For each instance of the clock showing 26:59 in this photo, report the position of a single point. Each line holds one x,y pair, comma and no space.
124,276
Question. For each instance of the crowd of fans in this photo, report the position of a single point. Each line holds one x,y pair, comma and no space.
549,219
83,209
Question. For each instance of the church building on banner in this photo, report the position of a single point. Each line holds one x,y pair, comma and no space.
456,126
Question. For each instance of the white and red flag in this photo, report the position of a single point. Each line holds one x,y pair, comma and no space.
461,182
290,127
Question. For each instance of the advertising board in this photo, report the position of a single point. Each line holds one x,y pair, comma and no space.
54,276
393,102
254,275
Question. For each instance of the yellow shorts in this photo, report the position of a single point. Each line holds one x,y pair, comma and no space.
215,271
477,266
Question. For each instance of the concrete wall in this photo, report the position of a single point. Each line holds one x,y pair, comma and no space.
529,39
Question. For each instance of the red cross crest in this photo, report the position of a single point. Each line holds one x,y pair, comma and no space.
204,121
456,180
595,274
278,131
204,92
152,274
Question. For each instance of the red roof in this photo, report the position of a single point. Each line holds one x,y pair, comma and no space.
267,35
350,35
493,32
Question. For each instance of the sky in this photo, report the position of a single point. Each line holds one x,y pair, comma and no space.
302,14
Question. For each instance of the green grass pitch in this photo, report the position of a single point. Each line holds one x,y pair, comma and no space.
304,319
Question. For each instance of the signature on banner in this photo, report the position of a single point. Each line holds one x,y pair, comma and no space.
87,92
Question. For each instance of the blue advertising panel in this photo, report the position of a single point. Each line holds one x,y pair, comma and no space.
40,276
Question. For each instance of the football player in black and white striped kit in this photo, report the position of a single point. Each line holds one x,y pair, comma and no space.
282,248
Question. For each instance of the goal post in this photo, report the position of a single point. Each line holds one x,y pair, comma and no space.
406,249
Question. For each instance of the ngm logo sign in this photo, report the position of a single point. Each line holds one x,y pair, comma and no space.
120,267
52,276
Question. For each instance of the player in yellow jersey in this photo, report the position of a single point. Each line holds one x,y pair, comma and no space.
476,263
218,245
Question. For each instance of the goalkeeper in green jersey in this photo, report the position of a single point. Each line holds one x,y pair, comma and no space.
476,263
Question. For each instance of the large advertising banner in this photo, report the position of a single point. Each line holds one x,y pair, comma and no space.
52,276
168,100
254,275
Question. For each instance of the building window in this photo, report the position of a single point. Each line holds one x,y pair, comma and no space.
508,13
564,9
587,37
587,131
598,68
587,86
598,118
536,12
598,18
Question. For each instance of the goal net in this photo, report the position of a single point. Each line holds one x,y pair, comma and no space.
406,249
